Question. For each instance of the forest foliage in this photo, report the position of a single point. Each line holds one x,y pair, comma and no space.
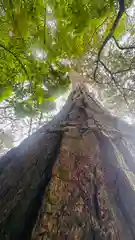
41,41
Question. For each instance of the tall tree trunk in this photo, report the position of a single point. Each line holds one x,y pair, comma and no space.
90,194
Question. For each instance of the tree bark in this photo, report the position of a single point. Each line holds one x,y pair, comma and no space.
24,174
91,191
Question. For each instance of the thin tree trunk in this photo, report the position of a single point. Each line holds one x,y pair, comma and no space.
86,197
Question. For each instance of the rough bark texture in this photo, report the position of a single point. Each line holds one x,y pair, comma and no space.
24,174
91,192
83,199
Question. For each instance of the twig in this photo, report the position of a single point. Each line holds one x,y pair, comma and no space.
109,36
45,13
40,118
14,19
12,7
129,89
5,107
29,132
115,83
100,25
15,56
124,70
121,47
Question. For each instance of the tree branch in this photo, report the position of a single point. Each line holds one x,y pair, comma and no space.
121,47
100,25
115,83
30,126
124,70
17,59
45,13
40,118
109,36
5,107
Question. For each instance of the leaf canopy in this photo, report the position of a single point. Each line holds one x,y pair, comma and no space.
40,41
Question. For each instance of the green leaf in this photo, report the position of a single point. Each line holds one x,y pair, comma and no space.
5,93
34,41
121,27
50,98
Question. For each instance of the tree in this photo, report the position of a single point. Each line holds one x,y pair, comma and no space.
90,181
83,160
